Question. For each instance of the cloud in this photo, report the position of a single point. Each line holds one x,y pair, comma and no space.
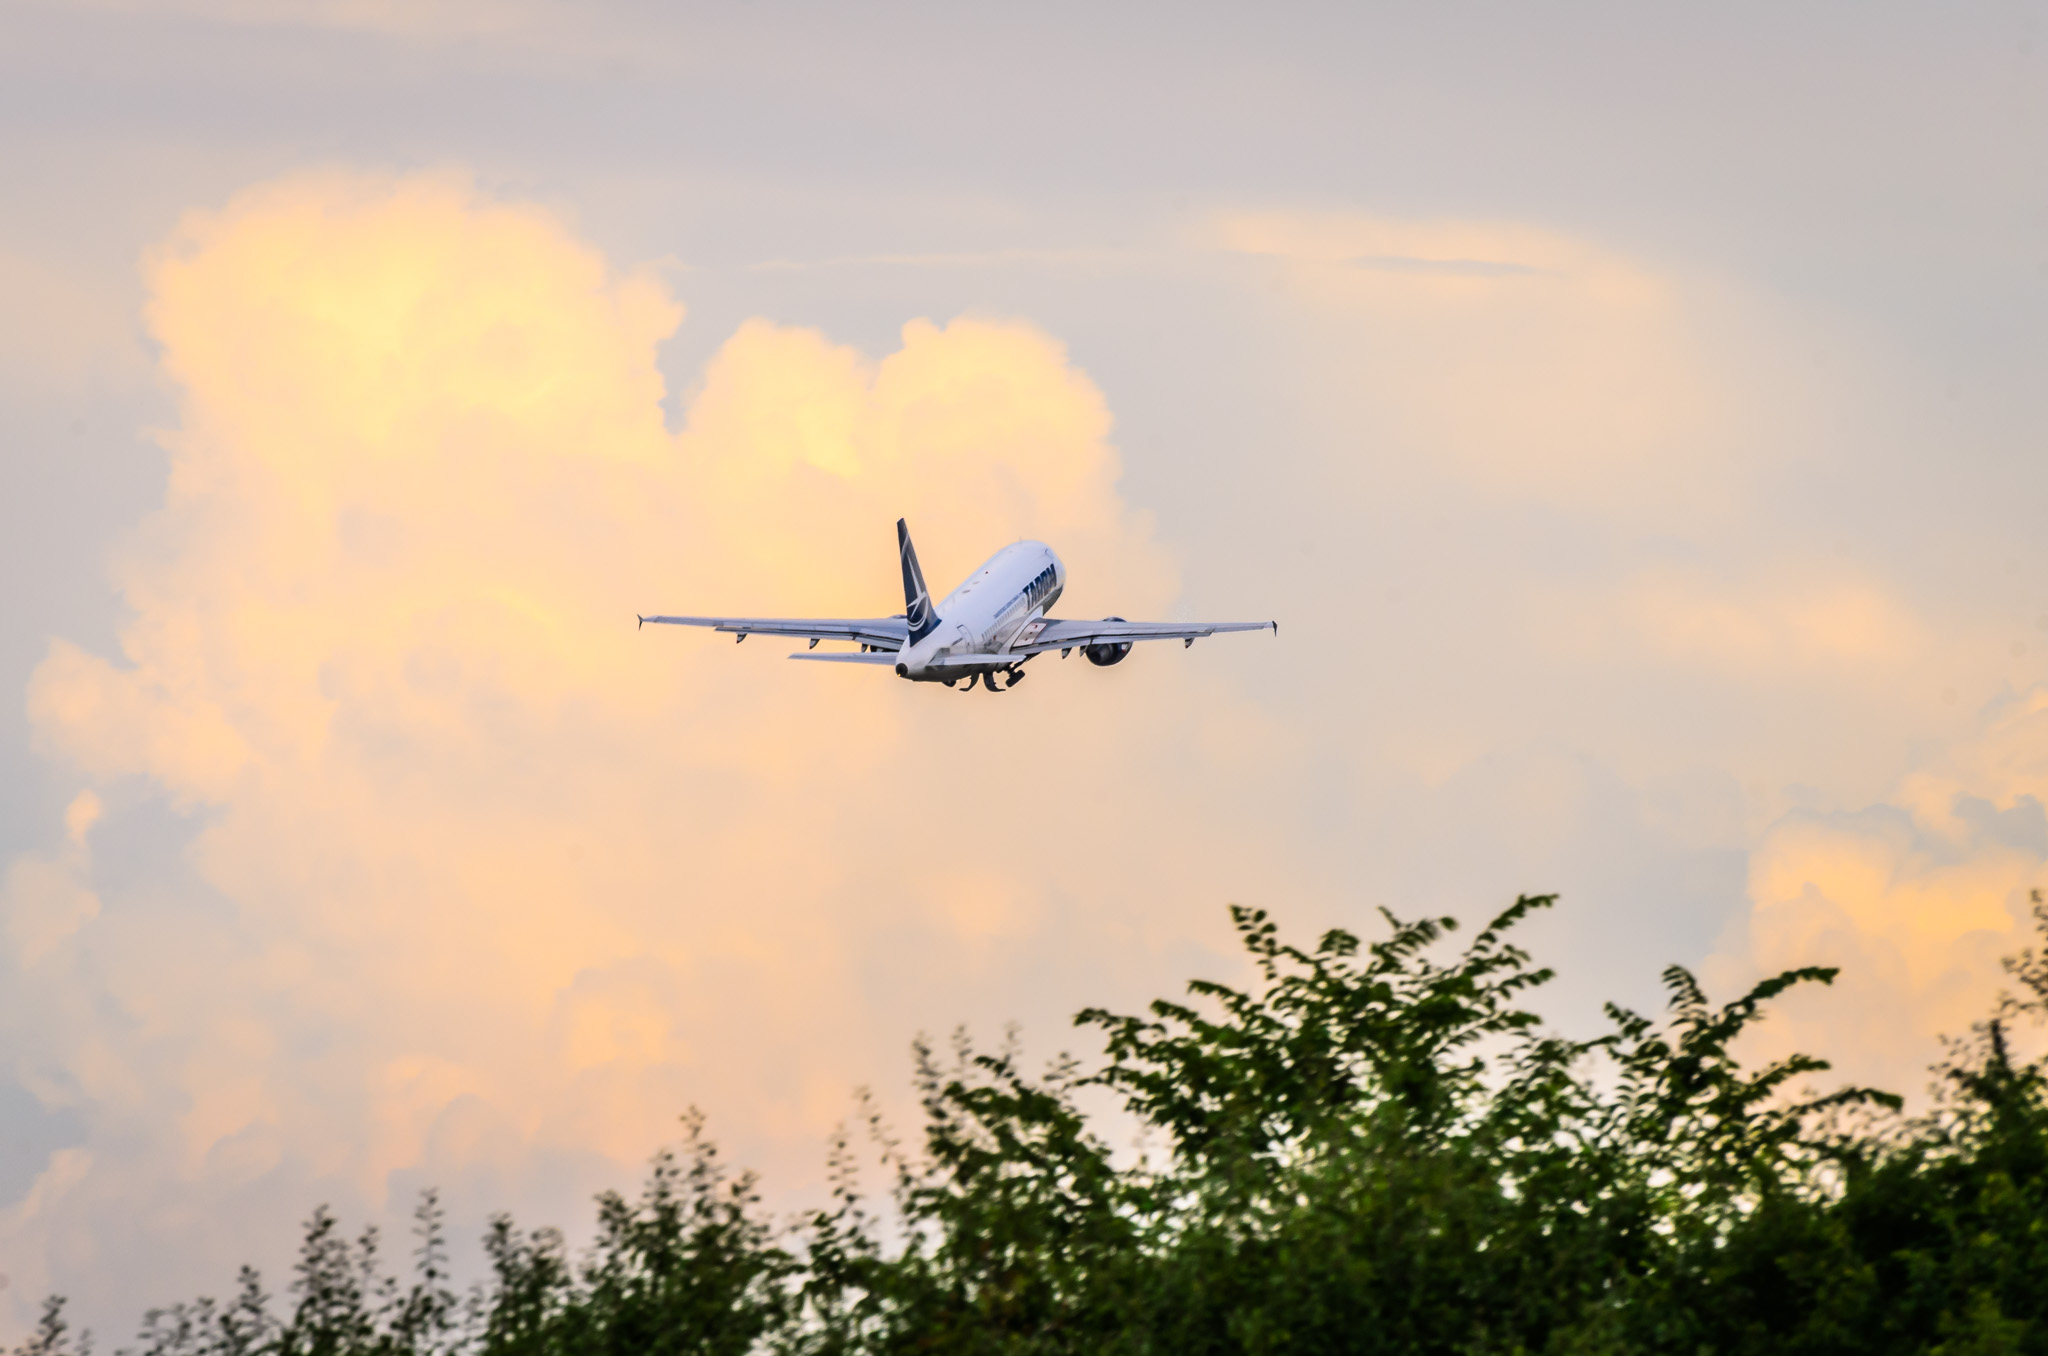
1658,586
47,897
472,884
416,20
1918,899
1525,362
1778,625
61,330
483,887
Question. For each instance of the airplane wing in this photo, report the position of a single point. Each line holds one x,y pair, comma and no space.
877,633
1040,636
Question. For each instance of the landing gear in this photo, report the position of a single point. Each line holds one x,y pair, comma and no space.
988,679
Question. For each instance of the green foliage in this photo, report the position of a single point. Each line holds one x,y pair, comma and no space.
688,1268
53,1334
1373,1148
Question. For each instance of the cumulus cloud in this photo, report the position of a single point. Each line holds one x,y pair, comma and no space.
485,886
1702,618
1918,899
48,897
476,886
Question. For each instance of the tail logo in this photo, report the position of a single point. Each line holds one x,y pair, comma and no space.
918,616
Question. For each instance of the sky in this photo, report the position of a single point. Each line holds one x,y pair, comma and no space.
1632,415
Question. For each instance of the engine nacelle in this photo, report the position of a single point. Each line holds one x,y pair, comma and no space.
1104,653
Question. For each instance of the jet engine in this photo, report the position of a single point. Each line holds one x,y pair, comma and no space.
1104,653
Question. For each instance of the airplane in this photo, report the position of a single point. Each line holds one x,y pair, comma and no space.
993,624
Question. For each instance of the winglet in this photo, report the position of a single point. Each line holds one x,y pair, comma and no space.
638,621
917,599
1276,627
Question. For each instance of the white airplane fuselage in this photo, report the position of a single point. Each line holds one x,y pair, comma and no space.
998,606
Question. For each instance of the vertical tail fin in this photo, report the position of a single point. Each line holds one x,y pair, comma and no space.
917,599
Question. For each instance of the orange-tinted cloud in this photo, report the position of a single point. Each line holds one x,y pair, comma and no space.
486,880
1918,900
483,886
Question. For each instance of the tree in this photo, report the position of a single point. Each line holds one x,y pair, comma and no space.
1376,1146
